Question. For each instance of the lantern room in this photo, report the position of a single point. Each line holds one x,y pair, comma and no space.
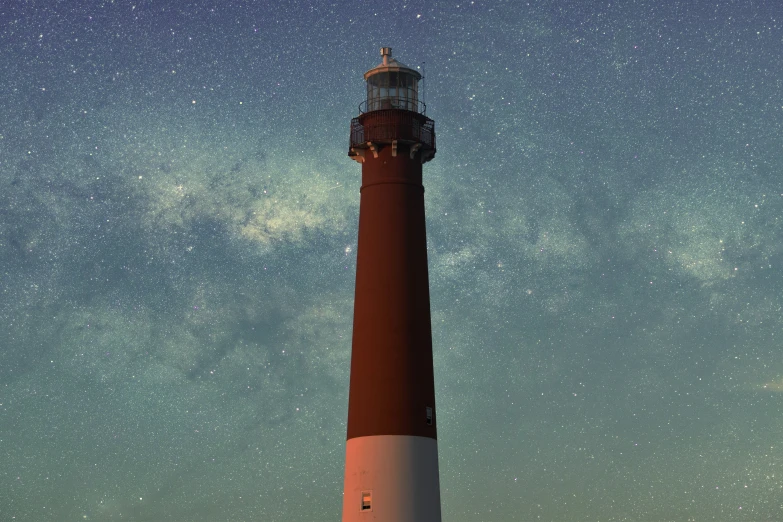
392,115
392,85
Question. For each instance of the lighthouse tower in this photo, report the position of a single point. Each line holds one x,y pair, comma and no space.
391,458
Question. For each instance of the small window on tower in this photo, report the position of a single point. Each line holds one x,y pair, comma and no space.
366,500
429,416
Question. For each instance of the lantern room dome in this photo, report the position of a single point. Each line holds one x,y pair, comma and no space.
389,64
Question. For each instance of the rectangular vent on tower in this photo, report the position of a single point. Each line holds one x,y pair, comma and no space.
366,500
429,416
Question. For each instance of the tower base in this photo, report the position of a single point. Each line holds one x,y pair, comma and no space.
391,478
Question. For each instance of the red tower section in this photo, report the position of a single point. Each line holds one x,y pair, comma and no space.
391,467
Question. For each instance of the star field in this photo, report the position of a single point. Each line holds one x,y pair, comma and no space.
178,223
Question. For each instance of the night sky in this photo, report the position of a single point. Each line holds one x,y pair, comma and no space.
178,223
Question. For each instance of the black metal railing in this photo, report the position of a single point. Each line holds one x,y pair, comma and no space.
385,126
394,103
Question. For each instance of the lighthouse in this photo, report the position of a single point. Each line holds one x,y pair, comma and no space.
391,457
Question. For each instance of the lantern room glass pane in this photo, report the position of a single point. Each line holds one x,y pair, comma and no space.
392,90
